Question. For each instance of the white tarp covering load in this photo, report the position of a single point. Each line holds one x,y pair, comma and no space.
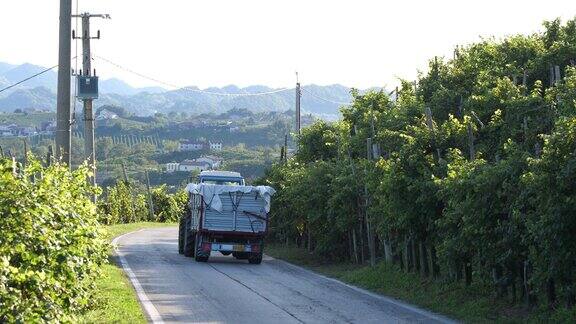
212,192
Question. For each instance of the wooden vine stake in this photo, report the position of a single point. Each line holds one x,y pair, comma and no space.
127,183
150,201
471,142
369,231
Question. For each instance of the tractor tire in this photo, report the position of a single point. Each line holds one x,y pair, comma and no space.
181,233
199,256
241,255
255,258
189,240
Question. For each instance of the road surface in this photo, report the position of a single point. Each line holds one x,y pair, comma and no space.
173,288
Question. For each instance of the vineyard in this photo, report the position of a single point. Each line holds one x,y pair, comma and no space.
51,247
52,244
468,175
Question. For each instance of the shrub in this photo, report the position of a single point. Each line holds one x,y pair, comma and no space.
51,246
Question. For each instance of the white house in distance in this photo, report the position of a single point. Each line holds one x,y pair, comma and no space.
215,162
106,114
190,146
215,146
172,166
201,164
198,146
191,165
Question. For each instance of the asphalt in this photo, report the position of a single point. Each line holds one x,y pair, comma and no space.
174,288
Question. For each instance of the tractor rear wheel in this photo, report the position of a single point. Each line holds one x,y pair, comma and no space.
255,258
189,239
181,233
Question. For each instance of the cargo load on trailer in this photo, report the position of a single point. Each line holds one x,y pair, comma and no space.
225,216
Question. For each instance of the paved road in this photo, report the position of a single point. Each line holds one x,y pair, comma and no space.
226,290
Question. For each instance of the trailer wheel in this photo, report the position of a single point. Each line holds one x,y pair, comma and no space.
255,258
189,239
199,255
240,255
181,228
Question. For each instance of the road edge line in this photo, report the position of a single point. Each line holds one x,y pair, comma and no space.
149,308
391,300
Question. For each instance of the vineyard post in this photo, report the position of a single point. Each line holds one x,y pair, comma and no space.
49,156
354,238
524,78
557,76
369,233
1,152
150,202
14,166
25,160
471,142
286,148
129,191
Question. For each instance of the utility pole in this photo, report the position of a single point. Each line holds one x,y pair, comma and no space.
63,97
89,147
298,114
369,230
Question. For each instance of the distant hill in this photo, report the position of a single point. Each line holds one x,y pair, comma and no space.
120,87
5,67
39,93
20,72
37,98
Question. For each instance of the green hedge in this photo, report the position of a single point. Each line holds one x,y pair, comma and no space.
475,180
50,243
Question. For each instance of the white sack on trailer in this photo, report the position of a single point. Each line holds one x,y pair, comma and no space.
211,193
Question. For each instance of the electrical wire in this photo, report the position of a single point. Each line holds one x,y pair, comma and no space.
188,88
28,78
327,100
75,66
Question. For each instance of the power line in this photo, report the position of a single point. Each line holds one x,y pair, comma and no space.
327,100
75,66
28,78
171,85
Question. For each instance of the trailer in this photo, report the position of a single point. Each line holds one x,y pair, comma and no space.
225,216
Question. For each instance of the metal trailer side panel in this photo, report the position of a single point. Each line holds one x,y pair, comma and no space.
243,213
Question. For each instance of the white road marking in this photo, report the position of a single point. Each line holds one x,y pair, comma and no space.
150,309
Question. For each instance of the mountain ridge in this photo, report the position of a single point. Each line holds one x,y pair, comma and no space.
41,94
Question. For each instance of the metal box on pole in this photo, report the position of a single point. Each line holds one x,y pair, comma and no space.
87,87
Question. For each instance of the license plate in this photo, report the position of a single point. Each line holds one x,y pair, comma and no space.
239,248
225,247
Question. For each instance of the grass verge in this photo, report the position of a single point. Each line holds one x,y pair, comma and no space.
115,299
474,304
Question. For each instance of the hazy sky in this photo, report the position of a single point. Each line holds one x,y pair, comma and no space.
358,43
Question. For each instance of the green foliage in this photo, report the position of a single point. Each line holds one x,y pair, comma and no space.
168,207
123,203
51,246
483,189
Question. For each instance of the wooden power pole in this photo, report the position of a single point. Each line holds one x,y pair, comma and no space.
89,147
63,98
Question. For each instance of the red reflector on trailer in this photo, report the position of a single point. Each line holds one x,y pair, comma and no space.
206,247
255,248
